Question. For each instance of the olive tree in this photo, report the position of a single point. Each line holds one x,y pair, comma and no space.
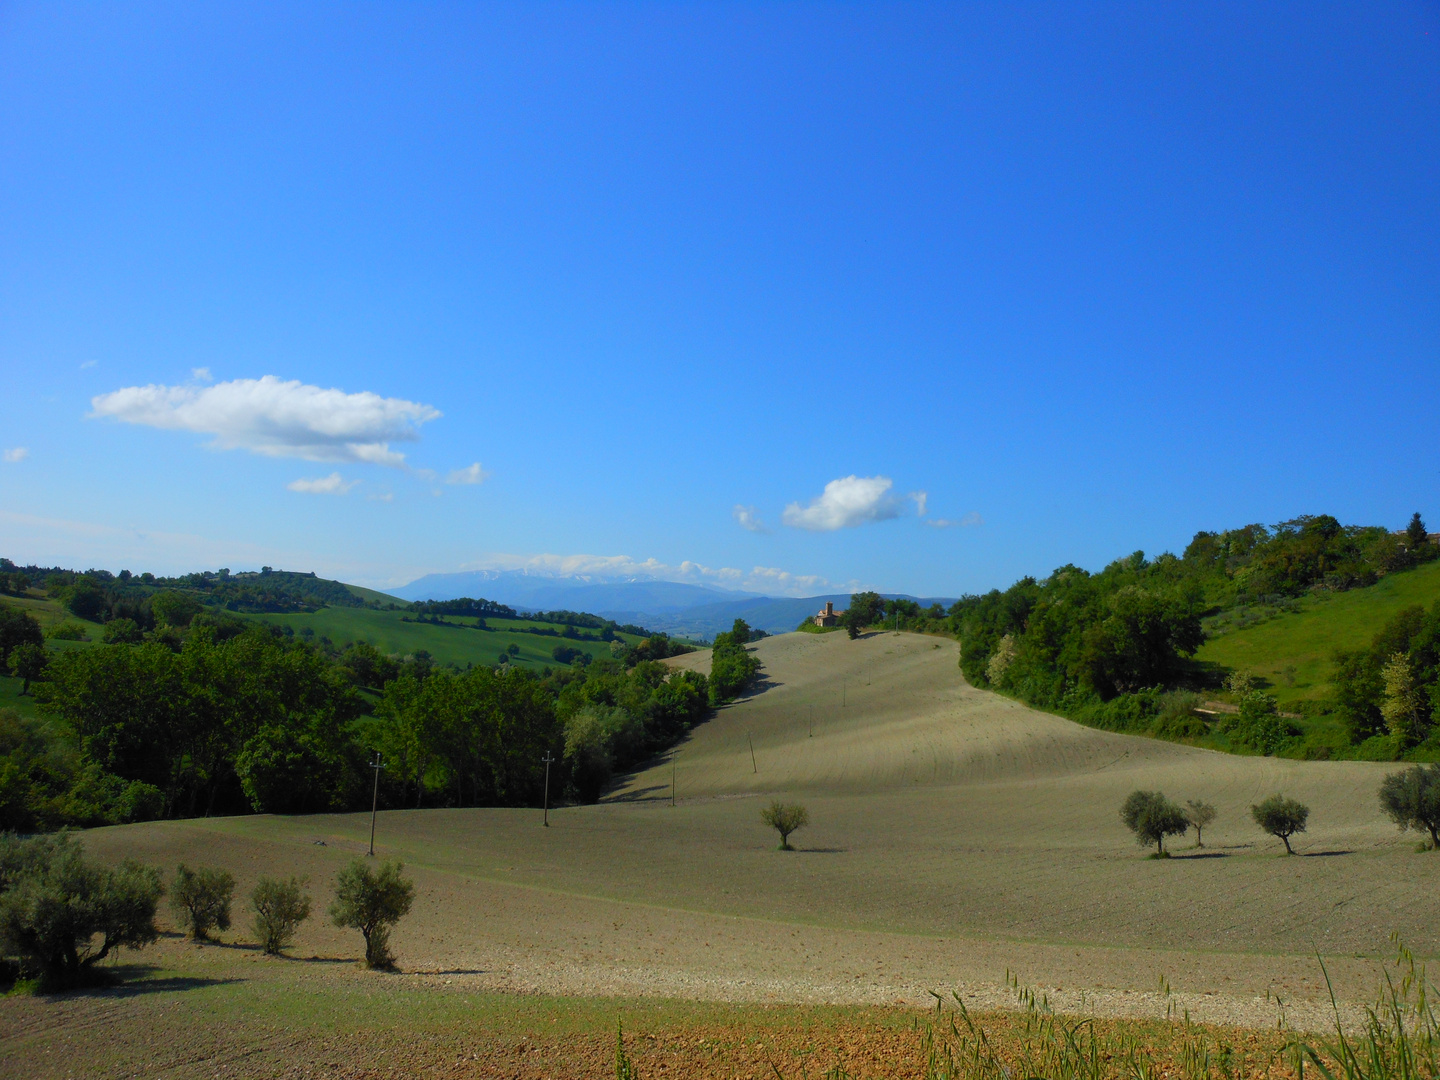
785,818
54,905
1200,815
280,908
201,899
1152,817
372,901
1411,799
1281,816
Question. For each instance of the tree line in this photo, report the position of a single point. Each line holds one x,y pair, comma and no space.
219,715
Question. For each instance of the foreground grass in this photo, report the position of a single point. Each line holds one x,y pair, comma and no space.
202,1010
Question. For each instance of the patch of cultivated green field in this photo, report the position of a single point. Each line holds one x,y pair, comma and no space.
1294,652
461,643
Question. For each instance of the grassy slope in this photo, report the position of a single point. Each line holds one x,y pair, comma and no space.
447,644
1309,638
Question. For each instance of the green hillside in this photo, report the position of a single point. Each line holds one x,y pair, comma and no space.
457,642
1293,650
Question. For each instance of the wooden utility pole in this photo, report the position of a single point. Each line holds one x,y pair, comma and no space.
548,759
374,799
753,767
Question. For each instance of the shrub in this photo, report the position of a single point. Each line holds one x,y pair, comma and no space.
28,662
201,898
1200,815
1259,724
1411,799
1282,817
785,818
122,632
68,631
1152,817
280,908
54,904
372,902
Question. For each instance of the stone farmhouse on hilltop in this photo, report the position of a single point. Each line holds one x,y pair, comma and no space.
829,617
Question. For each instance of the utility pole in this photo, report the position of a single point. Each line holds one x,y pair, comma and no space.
812,721
377,765
548,759
753,767
672,779
844,687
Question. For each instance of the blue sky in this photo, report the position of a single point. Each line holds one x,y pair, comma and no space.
725,293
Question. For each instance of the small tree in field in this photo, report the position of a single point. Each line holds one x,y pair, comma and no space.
1200,815
1152,817
280,908
1411,799
1282,817
373,901
785,818
201,898
61,915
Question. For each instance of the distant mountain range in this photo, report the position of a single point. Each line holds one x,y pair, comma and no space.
674,607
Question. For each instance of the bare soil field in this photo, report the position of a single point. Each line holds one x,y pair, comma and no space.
957,838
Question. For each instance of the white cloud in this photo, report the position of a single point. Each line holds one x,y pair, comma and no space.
471,474
201,374
276,418
334,484
969,521
747,518
88,364
845,503
17,454
921,498
386,496
611,568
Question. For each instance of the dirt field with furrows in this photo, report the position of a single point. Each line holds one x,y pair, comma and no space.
956,838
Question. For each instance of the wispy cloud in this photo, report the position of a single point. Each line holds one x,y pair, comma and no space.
969,521
845,503
748,519
471,474
16,454
88,364
613,568
383,496
201,374
276,418
334,484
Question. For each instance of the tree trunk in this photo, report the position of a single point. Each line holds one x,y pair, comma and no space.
1288,849
1434,839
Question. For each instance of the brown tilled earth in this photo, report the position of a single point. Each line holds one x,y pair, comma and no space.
956,838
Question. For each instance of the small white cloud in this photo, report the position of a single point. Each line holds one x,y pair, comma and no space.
88,364
387,496
845,503
16,455
201,374
334,484
276,418
921,498
969,521
471,474
747,518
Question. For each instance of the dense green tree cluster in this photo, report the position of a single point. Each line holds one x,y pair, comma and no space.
1079,638
1393,687
732,667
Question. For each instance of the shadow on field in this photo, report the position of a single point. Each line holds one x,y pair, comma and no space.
1324,854
137,980
821,850
1204,855
653,793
